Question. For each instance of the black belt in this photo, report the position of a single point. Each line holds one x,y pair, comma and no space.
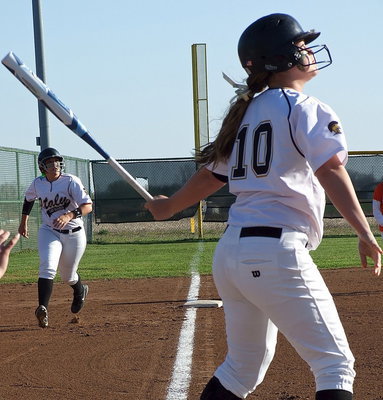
266,231
66,231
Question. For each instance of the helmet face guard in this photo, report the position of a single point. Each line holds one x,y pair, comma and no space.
269,44
45,165
324,59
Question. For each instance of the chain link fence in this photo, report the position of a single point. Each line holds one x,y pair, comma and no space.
119,215
119,211
18,169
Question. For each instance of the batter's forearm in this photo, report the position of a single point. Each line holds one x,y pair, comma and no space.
200,186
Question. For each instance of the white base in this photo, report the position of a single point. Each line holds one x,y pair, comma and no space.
204,303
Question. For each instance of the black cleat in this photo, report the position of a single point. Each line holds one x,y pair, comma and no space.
214,391
42,316
79,300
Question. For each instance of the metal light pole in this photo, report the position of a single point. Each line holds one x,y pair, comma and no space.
43,139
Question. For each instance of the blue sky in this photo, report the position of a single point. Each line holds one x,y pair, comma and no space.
124,67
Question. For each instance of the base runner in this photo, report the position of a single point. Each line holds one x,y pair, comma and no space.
62,238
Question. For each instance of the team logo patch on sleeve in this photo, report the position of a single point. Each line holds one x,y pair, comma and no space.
334,127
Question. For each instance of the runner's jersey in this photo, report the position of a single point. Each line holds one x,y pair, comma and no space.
58,197
285,136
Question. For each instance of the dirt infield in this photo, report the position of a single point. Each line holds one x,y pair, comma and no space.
124,344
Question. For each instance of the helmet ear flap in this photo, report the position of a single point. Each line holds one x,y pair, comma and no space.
42,166
287,57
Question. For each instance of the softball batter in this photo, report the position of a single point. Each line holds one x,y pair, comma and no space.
278,149
62,238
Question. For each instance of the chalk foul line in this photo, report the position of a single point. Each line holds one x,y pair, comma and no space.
179,384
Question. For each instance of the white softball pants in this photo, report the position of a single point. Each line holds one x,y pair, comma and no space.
60,251
268,284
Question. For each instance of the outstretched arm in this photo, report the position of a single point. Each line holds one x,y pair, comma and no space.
201,185
5,249
27,208
336,182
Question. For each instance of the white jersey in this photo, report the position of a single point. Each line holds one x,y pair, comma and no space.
284,137
58,197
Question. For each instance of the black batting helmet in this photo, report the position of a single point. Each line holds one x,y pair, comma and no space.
49,152
268,44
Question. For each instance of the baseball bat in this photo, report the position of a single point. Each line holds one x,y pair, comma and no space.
41,91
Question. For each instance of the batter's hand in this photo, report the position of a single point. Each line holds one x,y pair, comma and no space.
62,220
160,207
370,248
5,249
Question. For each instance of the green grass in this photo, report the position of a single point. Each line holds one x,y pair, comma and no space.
154,259
114,261
337,252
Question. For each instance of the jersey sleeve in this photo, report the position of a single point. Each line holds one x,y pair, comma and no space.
318,133
31,194
218,169
77,191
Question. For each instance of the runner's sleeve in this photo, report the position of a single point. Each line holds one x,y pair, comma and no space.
31,193
77,191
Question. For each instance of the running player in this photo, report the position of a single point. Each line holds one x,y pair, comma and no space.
278,149
62,238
